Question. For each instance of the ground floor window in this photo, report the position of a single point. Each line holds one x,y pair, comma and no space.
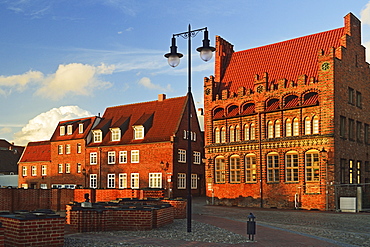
194,181
135,180
122,182
93,181
220,169
250,168
155,180
43,186
181,181
111,183
273,167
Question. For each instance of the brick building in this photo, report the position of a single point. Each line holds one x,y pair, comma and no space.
9,157
287,124
132,146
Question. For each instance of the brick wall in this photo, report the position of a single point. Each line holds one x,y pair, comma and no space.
2,237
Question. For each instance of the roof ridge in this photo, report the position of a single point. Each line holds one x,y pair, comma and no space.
146,102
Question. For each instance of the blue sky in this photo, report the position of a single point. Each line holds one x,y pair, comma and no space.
65,59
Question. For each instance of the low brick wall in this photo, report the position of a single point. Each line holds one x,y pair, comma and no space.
2,237
32,230
179,207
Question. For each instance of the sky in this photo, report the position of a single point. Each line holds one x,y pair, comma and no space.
67,59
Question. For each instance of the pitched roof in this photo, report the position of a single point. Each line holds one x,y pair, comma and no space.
87,125
9,160
36,151
289,59
164,114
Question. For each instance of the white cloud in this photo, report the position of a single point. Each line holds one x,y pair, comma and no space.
5,130
43,125
20,82
75,79
365,14
146,82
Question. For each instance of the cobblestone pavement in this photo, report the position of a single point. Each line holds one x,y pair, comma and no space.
348,229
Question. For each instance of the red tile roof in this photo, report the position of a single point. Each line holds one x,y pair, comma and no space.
36,151
312,99
289,59
165,116
294,101
87,125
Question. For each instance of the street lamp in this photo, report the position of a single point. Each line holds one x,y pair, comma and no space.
174,60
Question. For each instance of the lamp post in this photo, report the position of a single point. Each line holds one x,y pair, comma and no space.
174,60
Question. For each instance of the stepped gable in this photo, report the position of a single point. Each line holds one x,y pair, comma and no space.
36,151
87,124
288,59
160,119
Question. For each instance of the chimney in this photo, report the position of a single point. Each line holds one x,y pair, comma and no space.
161,97
200,112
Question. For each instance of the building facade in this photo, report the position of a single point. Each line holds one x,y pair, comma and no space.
287,124
136,146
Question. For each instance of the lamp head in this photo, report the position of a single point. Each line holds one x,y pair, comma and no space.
206,50
173,57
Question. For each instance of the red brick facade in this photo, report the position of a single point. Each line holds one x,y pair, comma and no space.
289,122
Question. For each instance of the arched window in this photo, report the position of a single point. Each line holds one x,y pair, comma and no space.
291,166
277,128
253,131
272,167
270,129
232,134
246,132
315,125
288,127
223,135
220,169
237,133
307,126
312,166
217,135
250,168
235,169
295,127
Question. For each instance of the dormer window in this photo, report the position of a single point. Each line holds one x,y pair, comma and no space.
138,132
62,130
81,128
98,136
69,129
115,134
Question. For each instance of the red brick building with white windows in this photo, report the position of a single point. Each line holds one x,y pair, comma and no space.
133,146
287,124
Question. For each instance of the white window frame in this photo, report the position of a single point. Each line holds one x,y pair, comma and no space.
182,156
62,130
79,148
24,171
135,179
155,180
68,168
111,157
194,181
122,157
33,171
69,129
111,181
115,134
135,156
60,168
80,128
122,180
68,148
197,157
181,180
93,181
60,149
79,168
44,170
93,158
97,136
43,186
138,132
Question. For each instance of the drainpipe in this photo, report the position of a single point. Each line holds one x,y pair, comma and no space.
100,160
260,150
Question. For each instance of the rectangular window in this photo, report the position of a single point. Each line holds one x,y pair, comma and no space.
197,158
351,96
135,157
122,180
358,131
43,186
182,156
93,181
312,167
62,130
111,183
366,133
358,172
250,168
122,157
81,128
111,157
78,168
60,168
194,181
181,181
115,134
358,99
138,132
79,148
343,163
68,148
235,169
351,129
98,136
134,180
69,129
24,186
43,170
68,168
24,171
272,168
34,171
155,180
93,158
342,127
291,168
60,149
350,172
220,170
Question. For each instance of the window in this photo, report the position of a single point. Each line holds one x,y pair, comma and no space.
79,148
68,148
312,166
111,183
134,180
217,135
351,96
155,180
253,132
33,170
235,169
122,157
93,158
115,134
351,129
307,126
135,157
315,125
98,136
237,133
93,181
342,127
193,136
250,168
43,186
366,133
182,155
24,171
24,186
350,172
358,99
197,158
69,129
220,170
273,167
288,127
181,181
232,134
122,180
111,157
277,128
358,131
68,168
291,167
60,168
223,135
295,127
246,132
270,129
194,181
358,172
343,163
43,170
62,130
78,168
60,149
81,128
138,132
